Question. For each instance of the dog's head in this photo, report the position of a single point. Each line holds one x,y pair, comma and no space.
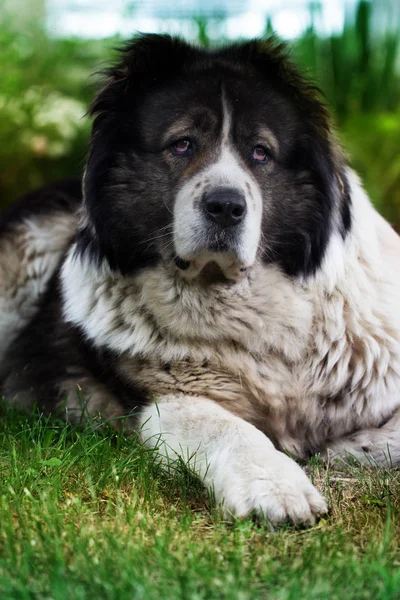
218,157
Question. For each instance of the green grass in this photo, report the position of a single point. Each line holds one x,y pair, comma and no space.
85,514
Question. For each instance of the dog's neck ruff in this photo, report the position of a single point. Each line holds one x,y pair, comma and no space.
157,312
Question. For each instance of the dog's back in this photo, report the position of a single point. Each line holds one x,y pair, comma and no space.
34,234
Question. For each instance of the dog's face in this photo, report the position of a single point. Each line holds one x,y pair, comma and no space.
220,158
217,200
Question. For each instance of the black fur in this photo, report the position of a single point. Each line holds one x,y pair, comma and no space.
130,186
65,196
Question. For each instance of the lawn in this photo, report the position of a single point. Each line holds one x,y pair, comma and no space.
88,514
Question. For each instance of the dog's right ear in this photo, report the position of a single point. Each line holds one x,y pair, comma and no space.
144,64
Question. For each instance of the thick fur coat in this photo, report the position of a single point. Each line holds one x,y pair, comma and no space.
225,283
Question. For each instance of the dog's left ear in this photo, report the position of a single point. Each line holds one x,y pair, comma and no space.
302,242
322,206
324,160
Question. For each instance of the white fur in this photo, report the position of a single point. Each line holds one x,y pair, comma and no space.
233,459
190,224
92,300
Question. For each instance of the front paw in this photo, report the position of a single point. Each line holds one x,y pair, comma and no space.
269,484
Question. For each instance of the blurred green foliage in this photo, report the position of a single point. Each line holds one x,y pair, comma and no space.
46,86
358,71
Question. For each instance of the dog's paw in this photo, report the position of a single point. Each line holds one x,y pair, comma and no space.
269,484
370,447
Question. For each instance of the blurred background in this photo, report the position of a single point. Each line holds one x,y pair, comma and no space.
49,50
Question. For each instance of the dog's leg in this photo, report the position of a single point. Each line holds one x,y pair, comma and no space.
233,458
378,446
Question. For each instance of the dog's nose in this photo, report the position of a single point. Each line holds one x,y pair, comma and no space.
225,206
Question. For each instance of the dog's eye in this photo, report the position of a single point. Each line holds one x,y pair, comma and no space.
182,146
260,154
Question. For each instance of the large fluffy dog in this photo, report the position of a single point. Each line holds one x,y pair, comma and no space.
225,281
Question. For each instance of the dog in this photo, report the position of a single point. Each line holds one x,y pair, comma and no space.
222,281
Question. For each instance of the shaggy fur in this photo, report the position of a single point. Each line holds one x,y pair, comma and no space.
271,326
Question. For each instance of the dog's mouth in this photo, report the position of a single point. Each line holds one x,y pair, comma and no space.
216,255
211,273
211,267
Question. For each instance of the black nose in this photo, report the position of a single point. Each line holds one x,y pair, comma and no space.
224,206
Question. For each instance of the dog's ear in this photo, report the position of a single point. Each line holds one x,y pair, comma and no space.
144,63
302,242
324,190
323,203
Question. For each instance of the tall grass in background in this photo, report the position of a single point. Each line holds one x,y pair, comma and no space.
358,71
45,87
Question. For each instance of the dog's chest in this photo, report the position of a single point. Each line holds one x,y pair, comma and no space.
303,366
301,372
